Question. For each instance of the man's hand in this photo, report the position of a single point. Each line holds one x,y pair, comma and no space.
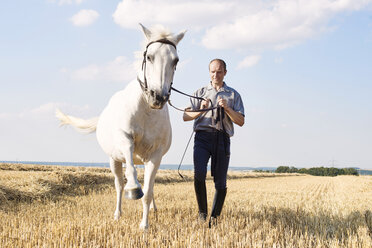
222,103
236,117
204,104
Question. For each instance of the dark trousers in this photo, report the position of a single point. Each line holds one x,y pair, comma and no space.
215,145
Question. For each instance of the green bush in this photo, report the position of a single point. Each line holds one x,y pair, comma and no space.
318,171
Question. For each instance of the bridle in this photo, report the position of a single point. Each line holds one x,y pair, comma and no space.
144,85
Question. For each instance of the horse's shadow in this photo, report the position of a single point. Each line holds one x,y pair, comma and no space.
68,185
300,222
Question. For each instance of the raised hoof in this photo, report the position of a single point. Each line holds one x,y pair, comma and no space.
133,194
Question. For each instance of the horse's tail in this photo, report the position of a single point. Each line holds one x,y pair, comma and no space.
85,126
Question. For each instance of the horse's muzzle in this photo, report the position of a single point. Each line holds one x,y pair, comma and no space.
157,101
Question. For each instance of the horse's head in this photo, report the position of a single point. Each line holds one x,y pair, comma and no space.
159,64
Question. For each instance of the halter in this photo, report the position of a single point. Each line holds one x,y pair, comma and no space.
144,85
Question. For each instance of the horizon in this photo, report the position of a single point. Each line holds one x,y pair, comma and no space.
187,165
302,68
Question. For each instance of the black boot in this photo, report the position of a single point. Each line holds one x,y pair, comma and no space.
201,197
219,198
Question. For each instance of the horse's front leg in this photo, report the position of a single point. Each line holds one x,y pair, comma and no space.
151,168
132,189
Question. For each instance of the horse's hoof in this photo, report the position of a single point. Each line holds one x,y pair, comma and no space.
133,194
144,227
117,215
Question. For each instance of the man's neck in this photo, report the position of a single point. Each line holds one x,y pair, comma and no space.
217,85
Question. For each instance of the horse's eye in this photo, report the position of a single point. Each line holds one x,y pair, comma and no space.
149,58
176,61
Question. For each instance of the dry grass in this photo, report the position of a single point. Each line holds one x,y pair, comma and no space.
50,206
29,182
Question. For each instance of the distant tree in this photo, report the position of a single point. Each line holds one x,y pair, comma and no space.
350,171
282,169
263,171
318,171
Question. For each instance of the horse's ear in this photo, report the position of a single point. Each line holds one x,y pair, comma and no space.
146,31
179,36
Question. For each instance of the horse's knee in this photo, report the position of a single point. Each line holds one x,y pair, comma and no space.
119,183
131,171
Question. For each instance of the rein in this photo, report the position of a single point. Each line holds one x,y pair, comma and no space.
144,87
195,97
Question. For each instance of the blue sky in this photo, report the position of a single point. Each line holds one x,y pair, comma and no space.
303,69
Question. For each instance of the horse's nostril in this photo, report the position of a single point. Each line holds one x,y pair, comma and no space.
159,98
152,93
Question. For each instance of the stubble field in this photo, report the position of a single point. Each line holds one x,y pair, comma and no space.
52,206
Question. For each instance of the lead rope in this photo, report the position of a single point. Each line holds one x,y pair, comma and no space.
187,146
188,143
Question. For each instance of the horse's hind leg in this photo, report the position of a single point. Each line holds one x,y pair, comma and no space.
153,205
117,169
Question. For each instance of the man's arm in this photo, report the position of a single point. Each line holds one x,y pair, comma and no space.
236,117
189,116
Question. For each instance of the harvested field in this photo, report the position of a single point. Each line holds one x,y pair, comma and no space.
55,206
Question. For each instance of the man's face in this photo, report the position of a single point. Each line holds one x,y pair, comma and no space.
217,72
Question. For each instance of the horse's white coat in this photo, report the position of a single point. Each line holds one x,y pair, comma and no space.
134,128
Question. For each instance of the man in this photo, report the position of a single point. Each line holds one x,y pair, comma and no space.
212,139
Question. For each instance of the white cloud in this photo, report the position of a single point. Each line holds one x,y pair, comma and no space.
118,70
249,61
5,116
193,14
183,63
239,24
283,24
44,108
65,2
89,72
44,111
61,2
278,60
84,17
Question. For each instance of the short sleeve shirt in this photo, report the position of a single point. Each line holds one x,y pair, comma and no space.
206,121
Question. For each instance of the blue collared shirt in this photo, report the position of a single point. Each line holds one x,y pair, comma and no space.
207,121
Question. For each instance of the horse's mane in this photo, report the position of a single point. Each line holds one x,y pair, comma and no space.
160,32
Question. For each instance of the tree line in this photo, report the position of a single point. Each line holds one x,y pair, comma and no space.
318,171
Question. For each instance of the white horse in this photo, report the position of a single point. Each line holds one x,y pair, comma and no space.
134,128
